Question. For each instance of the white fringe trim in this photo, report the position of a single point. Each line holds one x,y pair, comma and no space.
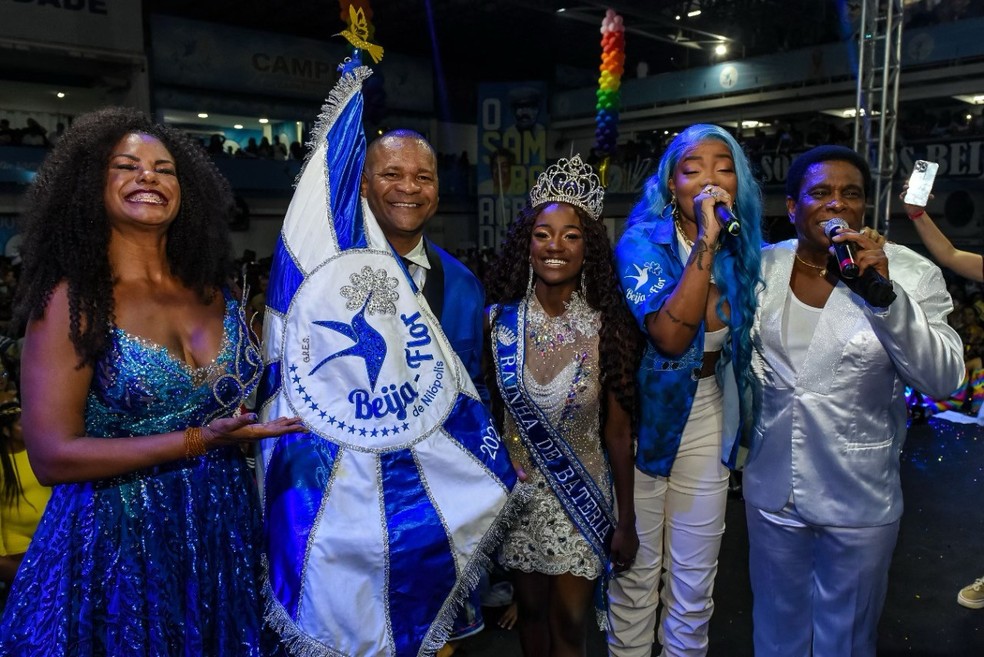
602,617
471,574
293,640
298,644
347,86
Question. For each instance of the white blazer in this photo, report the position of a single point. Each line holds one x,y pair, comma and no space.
829,436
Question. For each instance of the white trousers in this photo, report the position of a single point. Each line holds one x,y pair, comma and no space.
816,591
681,516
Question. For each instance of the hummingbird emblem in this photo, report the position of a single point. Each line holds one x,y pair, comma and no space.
641,277
368,344
358,34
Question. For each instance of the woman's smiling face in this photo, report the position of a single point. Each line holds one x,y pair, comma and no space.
141,183
557,245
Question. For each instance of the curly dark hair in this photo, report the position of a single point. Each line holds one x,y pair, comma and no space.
620,342
66,229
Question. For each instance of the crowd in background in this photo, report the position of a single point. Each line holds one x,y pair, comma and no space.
785,135
967,319
31,134
218,146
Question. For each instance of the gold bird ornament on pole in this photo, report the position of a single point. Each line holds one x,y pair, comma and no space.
358,34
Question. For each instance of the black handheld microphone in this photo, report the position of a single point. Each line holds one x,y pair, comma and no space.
875,288
727,219
843,251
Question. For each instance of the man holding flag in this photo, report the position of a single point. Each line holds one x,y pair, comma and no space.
380,517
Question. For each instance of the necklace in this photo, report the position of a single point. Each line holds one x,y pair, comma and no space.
688,244
683,236
676,222
822,270
548,334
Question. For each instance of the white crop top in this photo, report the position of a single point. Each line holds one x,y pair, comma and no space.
714,340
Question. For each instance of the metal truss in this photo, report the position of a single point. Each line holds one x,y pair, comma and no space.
879,43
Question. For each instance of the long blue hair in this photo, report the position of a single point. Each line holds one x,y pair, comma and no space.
737,266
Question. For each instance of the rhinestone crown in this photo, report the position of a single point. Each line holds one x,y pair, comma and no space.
570,181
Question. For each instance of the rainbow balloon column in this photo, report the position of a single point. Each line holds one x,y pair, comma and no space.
609,82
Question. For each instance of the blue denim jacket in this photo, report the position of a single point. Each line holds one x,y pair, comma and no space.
649,267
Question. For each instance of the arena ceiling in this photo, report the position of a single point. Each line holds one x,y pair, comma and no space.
487,40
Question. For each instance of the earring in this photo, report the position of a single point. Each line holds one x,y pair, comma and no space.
672,205
580,283
529,282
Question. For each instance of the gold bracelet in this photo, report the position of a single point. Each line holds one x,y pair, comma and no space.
194,442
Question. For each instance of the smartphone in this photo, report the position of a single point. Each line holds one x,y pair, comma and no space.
921,182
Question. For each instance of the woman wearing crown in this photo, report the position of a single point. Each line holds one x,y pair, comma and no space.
565,352
691,286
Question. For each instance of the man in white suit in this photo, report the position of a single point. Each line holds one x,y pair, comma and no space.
832,359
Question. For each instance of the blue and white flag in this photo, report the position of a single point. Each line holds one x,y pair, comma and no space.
380,517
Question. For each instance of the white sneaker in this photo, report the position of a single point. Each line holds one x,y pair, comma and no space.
972,595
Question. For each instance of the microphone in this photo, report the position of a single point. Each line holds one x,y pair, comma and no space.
874,288
727,219
843,251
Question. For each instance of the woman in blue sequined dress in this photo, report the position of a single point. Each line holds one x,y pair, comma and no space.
135,364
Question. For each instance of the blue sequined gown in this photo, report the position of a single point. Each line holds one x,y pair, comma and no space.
164,561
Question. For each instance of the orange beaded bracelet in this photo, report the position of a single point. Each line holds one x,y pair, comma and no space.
194,442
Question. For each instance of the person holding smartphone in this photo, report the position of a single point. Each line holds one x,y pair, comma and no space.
966,264
970,266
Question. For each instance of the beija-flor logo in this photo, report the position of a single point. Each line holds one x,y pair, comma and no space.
363,364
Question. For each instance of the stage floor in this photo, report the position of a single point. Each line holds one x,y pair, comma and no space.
940,550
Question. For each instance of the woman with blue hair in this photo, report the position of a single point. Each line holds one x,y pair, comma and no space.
691,285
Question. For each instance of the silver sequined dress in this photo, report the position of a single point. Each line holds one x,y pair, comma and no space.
562,378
